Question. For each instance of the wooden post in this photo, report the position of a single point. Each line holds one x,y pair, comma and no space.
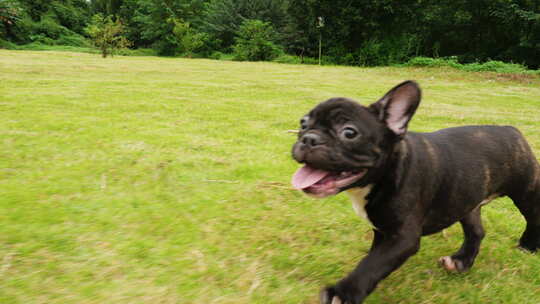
320,46
320,25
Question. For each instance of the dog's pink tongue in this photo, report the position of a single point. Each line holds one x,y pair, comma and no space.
307,176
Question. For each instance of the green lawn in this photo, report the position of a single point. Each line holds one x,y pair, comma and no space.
161,180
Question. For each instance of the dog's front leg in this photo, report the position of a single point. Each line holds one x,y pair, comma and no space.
386,255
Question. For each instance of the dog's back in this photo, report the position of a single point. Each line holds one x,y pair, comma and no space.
470,166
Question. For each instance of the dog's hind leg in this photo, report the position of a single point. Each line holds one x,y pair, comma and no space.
529,206
473,230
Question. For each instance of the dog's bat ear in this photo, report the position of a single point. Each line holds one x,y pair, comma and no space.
397,107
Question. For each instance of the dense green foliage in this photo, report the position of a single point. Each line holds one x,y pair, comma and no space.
106,34
490,66
223,18
189,40
365,32
59,22
255,42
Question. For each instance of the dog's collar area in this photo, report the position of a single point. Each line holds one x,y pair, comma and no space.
358,196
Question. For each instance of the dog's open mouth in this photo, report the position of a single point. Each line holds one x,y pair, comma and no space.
321,183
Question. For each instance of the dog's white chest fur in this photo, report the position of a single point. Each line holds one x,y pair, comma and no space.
358,198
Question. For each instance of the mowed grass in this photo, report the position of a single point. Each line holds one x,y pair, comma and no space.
161,180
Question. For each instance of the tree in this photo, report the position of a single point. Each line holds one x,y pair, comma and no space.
10,13
254,41
50,22
107,7
507,30
360,32
152,21
189,40
72,14
223,18
106,34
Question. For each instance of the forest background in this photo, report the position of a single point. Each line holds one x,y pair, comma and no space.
358,33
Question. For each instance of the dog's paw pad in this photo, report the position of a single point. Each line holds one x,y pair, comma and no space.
336,300
328,296
447,263
324,296
450,264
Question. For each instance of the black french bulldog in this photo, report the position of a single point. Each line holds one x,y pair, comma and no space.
412,184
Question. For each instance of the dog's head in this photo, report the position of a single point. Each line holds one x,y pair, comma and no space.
344,144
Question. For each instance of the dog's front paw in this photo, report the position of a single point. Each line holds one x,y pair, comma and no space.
339,295
329,296
452,264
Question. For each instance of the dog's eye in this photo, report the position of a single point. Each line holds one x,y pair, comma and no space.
349,133
303,123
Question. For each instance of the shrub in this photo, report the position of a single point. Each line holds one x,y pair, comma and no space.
72,40
137,52
7,45
189,40
20,31
489,66
289,59
49,28
254,42
70,15
376,52
106,34
10,15
495,66
216,55
41,39
37,46
371,54
434,62
311,60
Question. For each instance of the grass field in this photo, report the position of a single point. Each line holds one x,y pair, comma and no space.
161,180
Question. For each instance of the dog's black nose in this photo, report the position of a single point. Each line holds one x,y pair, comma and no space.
311,140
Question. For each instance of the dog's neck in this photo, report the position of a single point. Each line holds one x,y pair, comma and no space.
397,154
359,200
359,195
